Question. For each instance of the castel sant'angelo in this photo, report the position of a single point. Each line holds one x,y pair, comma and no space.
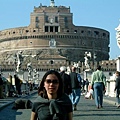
51,39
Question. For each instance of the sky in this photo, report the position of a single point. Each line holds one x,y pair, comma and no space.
104,14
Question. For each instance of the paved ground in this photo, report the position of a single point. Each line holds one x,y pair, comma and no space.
86,110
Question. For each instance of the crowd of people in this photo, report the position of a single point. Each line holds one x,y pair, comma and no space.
59,92
13,86
7,89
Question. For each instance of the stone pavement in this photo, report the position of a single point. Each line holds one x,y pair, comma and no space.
110,100
87,110
9,100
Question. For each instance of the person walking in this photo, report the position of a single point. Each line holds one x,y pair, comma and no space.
76,87
98,83
66,80
52,103
86,84
83,85
117,88
17,84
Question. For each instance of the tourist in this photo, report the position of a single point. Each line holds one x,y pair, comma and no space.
18,85
86,84
76,87
66,80
89,94
98,80
51,103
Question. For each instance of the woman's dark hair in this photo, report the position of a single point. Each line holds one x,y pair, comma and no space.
41,90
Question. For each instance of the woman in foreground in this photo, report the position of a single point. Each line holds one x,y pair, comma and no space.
51,103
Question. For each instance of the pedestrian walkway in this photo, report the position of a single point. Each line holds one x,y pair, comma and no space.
87,110
9,100
110,100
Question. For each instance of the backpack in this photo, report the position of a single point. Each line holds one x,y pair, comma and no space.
66,82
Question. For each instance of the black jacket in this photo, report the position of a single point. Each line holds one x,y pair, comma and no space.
74,81
66,82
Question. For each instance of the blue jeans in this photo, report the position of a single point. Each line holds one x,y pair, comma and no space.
98,93
75,96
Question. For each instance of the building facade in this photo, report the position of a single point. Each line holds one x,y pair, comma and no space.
51,32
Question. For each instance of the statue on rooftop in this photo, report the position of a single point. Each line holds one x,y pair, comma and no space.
19,60
87,60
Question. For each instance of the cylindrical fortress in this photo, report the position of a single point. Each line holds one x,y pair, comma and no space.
52,33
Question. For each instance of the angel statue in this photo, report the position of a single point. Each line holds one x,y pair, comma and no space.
87,59
19,60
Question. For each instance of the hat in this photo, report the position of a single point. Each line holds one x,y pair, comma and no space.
62,68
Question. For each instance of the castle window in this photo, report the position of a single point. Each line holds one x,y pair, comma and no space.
56,28
82,31
96,32
56,19
37,19
75,31
104,34
51,28
46,28
34,30
67,30
46,19
27,31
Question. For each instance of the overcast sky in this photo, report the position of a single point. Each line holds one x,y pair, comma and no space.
104,14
